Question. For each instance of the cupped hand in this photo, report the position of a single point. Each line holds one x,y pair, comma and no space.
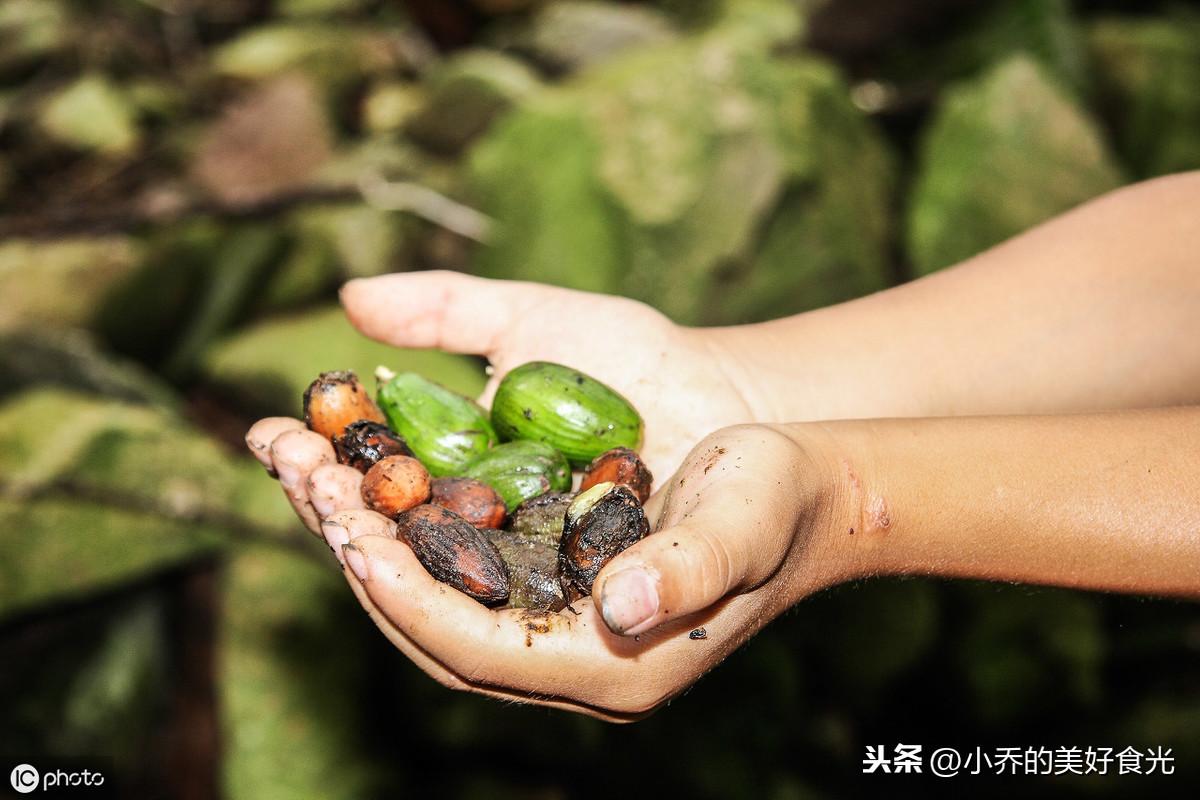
680,379
743,531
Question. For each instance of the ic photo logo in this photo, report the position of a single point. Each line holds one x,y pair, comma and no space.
24,778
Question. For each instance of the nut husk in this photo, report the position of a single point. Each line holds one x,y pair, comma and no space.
600,523
532,569
394,485
455,552
542,517
621,466
363,443
336,399
474,501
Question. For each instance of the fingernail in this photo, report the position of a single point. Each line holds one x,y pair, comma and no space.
335,536
323,503
358,563
630,599
289,474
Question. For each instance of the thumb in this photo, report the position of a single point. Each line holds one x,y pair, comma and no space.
440,309
681,570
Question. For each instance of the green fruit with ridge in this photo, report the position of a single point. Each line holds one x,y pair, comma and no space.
572,412
445,430
519,471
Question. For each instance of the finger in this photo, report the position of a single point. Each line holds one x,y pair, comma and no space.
342,527
569,657
727,531
713,551
296,454
446,310
434,669
335,487
263,433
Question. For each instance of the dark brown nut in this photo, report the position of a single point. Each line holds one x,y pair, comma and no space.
394,485
532,571
334,400
621,466
542,517
455,552
600,523
363,443
473,500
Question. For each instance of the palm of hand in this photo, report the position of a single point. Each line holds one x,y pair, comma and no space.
670,374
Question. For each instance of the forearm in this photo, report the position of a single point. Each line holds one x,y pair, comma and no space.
1096,309
1100,501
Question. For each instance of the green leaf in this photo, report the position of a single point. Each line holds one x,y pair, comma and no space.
243,258
71,359
61,283
92,114
334,55
271,364
57,549
95,492
465,94
293,686
573,35
1002,153
30,29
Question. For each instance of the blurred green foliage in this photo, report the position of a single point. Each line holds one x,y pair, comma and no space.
183,185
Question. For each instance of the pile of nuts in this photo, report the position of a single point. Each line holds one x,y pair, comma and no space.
543,555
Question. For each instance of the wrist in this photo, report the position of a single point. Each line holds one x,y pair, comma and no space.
836,533
737,353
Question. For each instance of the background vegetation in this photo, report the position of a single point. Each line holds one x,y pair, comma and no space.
184,183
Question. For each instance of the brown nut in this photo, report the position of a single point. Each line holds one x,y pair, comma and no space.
532,571
334,400
455,552
542,517
363,443
600,523
621,466
473,500
394,485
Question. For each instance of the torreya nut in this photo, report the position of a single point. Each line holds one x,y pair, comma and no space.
622,467
600,523
519,471
364,443
572,412
542,517
444,429
336,399
473,500
454,552
394,485
532,571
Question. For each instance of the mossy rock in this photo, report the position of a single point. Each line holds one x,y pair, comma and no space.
1002,153
655,176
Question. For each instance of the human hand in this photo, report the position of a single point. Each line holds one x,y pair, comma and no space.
744,530
680,379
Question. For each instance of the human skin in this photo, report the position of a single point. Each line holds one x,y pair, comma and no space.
1095,310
